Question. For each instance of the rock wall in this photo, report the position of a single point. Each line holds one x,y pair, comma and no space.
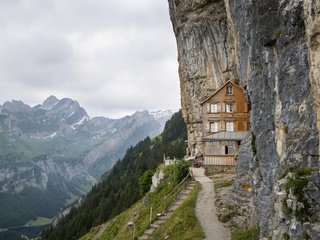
271,48
206,56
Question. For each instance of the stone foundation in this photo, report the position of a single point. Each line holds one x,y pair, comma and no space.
212,170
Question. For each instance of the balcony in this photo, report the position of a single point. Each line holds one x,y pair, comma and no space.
219,160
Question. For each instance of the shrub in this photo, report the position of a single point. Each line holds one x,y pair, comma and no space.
145,181
246,234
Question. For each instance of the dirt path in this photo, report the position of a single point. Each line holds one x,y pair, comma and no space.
206,211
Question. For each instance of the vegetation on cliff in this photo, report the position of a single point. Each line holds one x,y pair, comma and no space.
119,188
139,214
183,224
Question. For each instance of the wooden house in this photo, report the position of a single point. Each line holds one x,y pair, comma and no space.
225,124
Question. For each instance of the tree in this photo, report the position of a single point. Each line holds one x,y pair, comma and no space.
145,181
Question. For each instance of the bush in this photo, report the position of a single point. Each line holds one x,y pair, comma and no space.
145,181
226,212
247,234
176,172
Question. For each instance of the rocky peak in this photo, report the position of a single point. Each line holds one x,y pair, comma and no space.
16,106
162,115
49,102
67,110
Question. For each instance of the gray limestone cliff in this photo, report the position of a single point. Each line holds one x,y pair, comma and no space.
272,49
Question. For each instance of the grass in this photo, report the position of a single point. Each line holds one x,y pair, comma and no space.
226,212
286,236
117,227
253,144
302,171
297,171
91,234
39,221
277,33
183,224
282,175
114,225
296,185
218,184
246,234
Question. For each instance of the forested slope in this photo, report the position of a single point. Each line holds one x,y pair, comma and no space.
119,188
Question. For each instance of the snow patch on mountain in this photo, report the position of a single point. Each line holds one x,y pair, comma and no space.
162,113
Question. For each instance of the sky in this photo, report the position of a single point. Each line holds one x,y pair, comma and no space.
113,56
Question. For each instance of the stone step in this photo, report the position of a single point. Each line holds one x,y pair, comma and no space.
182,198
184,194
154,225
143,237
149,231
176,203
173,208
164,217
159,222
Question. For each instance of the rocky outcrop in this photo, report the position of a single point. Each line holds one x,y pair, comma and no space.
270,48
157,177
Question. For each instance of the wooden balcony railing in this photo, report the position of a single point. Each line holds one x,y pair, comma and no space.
219,160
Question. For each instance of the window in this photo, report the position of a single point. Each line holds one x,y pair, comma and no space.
226,150
214,108
229,90
229,126
229,108
214,127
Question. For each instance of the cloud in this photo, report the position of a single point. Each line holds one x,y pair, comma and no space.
112,56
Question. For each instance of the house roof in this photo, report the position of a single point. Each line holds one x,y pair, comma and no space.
221,136
215,92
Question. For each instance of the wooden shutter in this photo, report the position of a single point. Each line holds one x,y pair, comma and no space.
219,107
208,107
235,107
207,126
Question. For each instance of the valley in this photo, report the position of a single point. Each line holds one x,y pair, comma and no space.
52,154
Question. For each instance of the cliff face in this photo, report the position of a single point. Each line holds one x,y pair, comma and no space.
272,49
206,55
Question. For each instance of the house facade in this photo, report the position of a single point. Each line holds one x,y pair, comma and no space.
225,124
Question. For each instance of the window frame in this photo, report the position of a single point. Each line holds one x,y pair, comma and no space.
229,126
213,127
230,110
229,90
213,107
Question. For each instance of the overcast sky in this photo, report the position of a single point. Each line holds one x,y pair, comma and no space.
113,56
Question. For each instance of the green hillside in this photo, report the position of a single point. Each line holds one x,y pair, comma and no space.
181,225
119,188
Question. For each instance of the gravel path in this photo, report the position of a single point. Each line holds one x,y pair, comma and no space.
206,211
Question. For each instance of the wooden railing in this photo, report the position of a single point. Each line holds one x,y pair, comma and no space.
174,193
219,160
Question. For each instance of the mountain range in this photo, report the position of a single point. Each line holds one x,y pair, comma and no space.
52,153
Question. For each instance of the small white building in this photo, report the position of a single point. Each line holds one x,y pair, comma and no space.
167,161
